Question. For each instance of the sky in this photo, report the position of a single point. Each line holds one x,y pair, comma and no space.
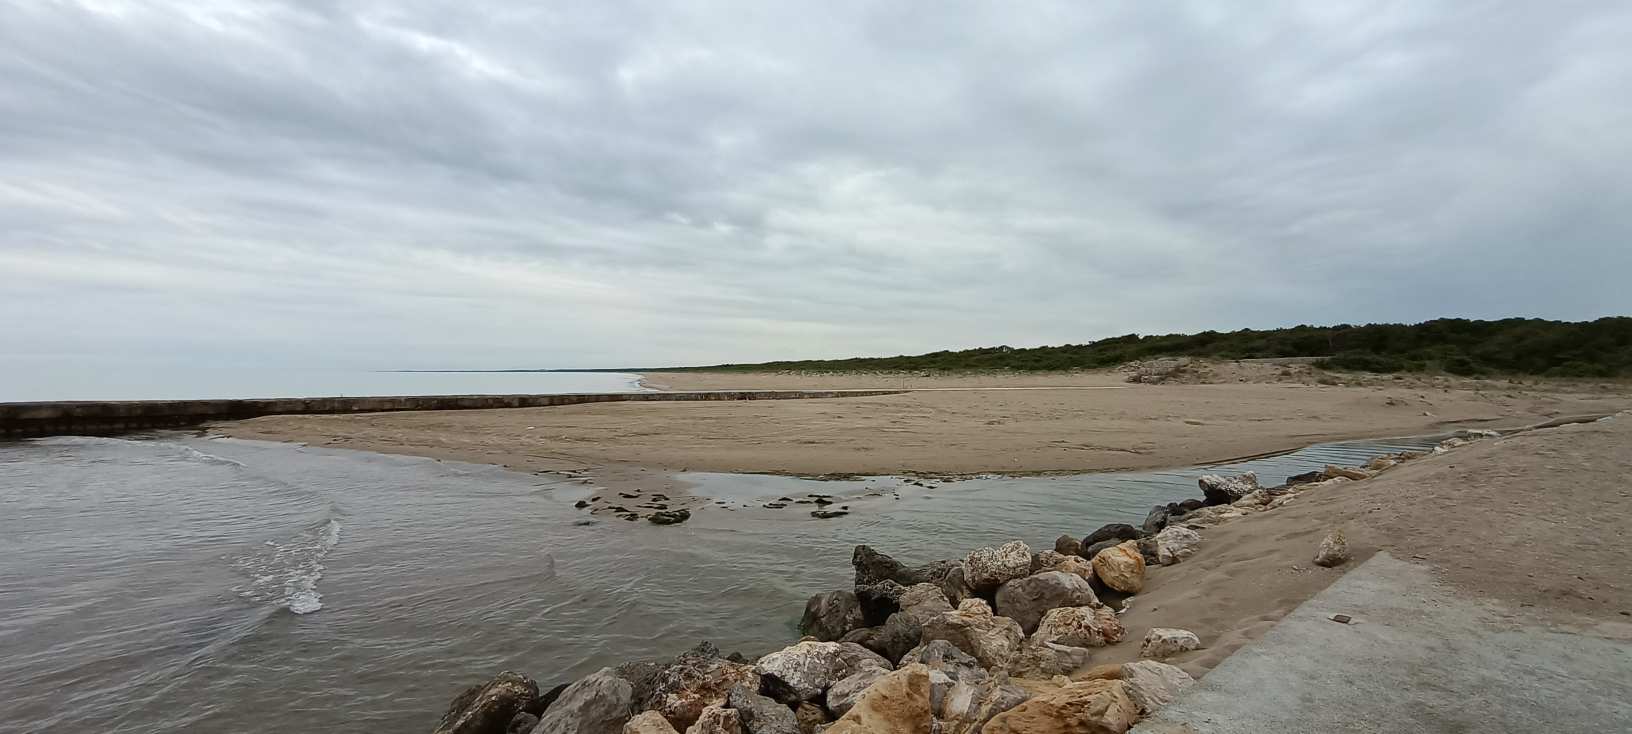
413,184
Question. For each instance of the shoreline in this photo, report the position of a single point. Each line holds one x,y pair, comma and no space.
1073,649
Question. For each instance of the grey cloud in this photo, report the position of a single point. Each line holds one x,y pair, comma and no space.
429,184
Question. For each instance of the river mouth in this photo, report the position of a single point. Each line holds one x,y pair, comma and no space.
186,583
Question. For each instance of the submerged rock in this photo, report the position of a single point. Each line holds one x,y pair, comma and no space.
669,517
1026,600
1122,567
830,616
1220,490
1333,550
488,708
1163,642
988,568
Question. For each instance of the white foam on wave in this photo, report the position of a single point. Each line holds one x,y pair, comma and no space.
200,456
287,573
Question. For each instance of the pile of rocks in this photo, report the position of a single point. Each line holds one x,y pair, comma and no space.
998,641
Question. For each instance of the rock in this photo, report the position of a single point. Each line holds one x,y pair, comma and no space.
810,717
642,674
1304,478
1103,671
1043,659
1156,520
973,628
898,703
1221,490
1075,565
545,700
1067,545
954,585
1026,600
830,616
1380,463
828,514
488,708
1046,560
1254,500
964,708
848,689
800,672
879,600
1163,642
988,568
1333,550
581,504
1153,685
1117,531
946,658
872,567
1086,707
1191,505
892,639
1176,544
600,703
1083,626
761,715
522,724
717,720
1333,471
1121,568
1093,550
648,722
923,601
1147,550
695,680
669,517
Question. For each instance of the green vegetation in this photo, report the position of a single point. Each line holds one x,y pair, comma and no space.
1601,348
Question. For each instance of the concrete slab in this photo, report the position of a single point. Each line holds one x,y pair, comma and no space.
1415,658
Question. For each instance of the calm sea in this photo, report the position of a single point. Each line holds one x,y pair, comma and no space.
67,382
180,583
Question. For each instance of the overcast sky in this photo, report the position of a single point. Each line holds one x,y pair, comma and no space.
503,184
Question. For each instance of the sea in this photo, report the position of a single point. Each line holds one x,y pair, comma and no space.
182,582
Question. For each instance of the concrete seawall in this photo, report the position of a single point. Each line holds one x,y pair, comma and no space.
23,420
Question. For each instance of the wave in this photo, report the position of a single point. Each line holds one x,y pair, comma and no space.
286,574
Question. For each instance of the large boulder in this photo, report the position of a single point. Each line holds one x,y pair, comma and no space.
648,722
599,703
1086,626
1333,550
761,715
946,658
1153,685
1075,565
988,568
695,680
1164,642
831,616
1118,531
1221,490
1176,544
892,639
974,629
1121,568
898,703
800,672
1039,658
922,601
872,567
1087,707
878,600
1026,600
965,707
717,719
1156,520
489,708
847,691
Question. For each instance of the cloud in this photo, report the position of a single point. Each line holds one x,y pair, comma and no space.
418,184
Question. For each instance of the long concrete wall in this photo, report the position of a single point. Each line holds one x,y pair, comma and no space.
20,420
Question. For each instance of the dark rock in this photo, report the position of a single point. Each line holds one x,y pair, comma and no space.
879,600
1093,550
522,724
823,501
953,584
1156,520
892,639
872,566
669,517
627,495
631,517
775,505
761,715
1147,548
1191,505
1305,478
489,707
830,616
543,703
827,514
736,656
1118,531
1068,546
581,504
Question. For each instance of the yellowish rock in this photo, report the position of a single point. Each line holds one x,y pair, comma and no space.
649,722
897,704
1086,707
1121,567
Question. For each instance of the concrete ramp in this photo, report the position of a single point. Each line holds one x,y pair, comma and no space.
1416,658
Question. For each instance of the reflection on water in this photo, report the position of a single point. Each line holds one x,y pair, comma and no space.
222,585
